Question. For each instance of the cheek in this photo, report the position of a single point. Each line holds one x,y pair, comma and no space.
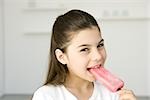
104,54
77,61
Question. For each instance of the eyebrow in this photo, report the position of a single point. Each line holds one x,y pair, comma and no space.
89,45
102,40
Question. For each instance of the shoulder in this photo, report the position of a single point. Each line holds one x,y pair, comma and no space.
46,92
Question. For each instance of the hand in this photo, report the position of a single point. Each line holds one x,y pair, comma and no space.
125,94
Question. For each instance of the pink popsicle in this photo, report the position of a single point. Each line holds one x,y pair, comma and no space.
109,80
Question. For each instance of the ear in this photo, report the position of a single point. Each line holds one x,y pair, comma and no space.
60,56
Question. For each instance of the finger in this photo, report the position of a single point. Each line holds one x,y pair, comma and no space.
125,91
127,97
125,94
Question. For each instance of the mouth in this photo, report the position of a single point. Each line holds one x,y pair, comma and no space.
94,67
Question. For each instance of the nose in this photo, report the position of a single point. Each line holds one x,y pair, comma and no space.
96,55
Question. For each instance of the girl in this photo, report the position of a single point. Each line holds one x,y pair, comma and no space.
76,46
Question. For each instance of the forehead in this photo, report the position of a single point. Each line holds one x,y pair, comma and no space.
87,36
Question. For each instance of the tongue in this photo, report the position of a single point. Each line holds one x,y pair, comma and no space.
110,81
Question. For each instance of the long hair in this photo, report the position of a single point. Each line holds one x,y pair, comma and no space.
64,25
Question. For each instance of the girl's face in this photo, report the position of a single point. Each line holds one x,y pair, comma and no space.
85,51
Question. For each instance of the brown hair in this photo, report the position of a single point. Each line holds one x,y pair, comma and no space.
72,21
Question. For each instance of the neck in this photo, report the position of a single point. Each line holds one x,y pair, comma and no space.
80,88
77,83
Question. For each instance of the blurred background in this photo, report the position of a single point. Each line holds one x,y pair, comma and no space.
25,30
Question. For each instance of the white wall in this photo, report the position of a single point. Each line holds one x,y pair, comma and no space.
1,49
27,34
148,5
25,54
126,45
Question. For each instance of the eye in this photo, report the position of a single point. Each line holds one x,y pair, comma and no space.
100,45
84,50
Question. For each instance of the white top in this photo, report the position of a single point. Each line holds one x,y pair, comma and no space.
50,92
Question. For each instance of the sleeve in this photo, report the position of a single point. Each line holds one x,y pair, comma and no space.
38,95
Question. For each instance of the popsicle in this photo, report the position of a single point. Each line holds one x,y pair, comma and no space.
109,80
